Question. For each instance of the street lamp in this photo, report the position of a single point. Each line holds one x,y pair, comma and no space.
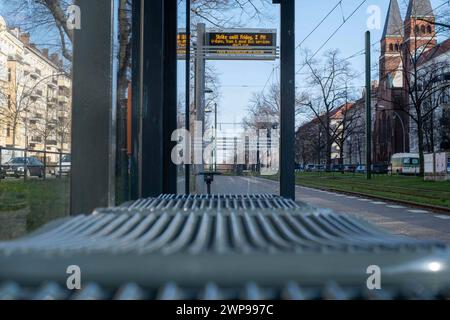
214,133
396,115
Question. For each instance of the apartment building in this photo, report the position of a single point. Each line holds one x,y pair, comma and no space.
35,97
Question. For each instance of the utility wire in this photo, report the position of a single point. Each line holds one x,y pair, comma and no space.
334,33
319,24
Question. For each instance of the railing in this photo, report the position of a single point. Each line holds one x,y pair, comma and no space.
52,163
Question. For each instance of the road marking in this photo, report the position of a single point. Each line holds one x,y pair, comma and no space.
362,199
443,217
396,207
378,202
418,211
351,197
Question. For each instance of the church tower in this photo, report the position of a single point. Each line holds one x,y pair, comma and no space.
420,32
390,85
391,43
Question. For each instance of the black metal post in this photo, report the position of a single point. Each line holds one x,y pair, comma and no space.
287,113
152,98
368,109
170,95
187,178
94,107
159,60
136,99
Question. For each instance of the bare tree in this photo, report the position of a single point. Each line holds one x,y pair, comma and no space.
229,13
349,124
264,107
310,143
424,83
329,79
17,99
44,125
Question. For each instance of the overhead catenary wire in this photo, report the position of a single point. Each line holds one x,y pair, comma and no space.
334,33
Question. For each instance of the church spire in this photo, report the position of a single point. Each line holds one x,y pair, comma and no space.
394,23
419,9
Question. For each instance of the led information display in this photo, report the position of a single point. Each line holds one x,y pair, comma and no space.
239,40
181,43
233,44
241,44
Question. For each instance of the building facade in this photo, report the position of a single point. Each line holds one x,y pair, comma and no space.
35,98
408,46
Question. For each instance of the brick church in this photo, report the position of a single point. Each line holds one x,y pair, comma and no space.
401,37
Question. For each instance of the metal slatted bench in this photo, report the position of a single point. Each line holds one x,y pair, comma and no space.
227,247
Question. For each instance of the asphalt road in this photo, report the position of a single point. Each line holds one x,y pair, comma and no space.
396,218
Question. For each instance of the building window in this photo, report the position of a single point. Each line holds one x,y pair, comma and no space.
429,29
422,29
9,75
8,131
396,47
391,47
416,29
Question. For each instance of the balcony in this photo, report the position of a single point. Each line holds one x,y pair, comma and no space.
64,82
34,95
62,114
63,100
35,73
53,84
52,101
51,142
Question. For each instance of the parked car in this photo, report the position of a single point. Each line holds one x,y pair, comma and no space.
377,168
2,173
361,168
309,168
319,168
349,168
337,168
66,163
20,166
380,168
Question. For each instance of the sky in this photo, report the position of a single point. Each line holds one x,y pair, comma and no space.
239,80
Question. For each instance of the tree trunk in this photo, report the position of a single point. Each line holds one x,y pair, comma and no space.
328,153
420,137
341,154
328,144
14,134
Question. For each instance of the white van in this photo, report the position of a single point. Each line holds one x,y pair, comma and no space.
405,163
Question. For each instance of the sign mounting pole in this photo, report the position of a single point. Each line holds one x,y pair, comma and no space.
287,112
368,110
199,106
